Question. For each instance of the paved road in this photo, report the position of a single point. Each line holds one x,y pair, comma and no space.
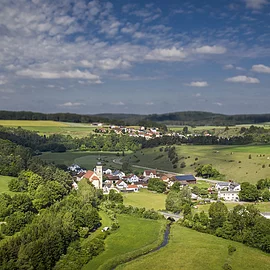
118,161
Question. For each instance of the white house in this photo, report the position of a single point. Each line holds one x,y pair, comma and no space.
229,195
150,173
107,171
227,186
119,174
133,178
121,184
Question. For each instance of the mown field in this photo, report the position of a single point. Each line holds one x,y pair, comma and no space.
85,159
146,199
51,127
232,161
149,200
189,250
133,234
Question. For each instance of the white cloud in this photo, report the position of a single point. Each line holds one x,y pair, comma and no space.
172,54
197,95
218,103
198,84
239,68
228,66
261,69
256,4
86,63
109,64
242,79
211,50
150,103
71,104
118,103
76,74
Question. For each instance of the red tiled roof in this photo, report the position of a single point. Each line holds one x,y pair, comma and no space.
88,174
132,186
95,178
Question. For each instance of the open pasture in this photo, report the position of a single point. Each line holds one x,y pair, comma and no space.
133,235
189,249
238,163
217,130
52,127
85,159
145,198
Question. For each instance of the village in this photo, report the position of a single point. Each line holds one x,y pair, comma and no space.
107,179
142,131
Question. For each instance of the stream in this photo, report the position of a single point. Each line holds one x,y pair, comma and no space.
163,244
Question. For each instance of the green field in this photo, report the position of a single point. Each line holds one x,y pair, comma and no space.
262,206
51,127
146,199
216,130
133,234
191,250
85,159
4,180
232,161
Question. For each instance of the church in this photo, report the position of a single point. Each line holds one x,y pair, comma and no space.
95,177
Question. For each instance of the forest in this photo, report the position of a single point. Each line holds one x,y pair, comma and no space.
192,118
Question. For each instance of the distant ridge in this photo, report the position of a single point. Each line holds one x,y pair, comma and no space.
197,118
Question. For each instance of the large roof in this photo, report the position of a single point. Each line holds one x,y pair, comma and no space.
186,177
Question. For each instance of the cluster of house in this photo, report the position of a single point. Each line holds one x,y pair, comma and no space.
106,179
141,132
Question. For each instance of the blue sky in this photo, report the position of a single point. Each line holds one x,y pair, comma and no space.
135,56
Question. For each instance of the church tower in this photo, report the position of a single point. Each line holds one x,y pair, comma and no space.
99,173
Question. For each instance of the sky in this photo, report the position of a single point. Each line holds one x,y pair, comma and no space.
128,56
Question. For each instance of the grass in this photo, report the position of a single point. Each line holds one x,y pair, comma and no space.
262,206
51,127
85,159
189,250
146,199
232,161
4,180
133,235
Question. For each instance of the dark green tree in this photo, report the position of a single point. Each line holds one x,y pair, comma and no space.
248,192
155,184
218,214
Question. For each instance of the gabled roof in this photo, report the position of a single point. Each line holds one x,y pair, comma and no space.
88,174
186,177
225,184
148,172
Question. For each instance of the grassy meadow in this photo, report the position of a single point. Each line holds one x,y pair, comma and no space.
232,161
189,250
51,127
145,198
133,235
85,159
216,130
